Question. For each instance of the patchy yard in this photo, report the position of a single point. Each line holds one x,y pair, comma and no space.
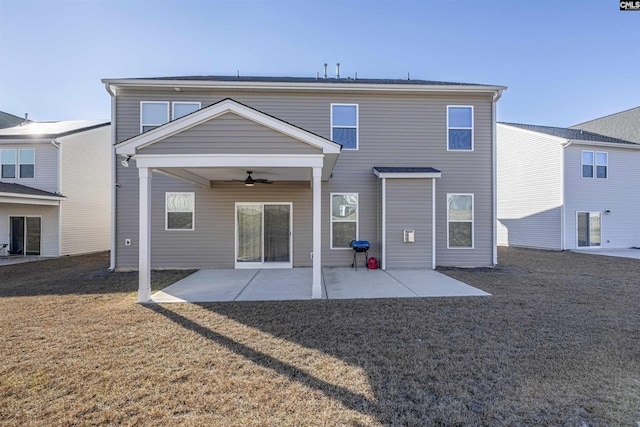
558,343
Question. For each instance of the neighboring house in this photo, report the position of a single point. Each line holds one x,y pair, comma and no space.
347,160
55,188
9,120
623,125
564,188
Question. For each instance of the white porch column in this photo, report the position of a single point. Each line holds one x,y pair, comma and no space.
316,290
144,237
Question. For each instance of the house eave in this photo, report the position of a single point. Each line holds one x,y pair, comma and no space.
302,86
601,144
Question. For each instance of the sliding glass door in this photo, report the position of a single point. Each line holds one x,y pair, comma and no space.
589,229
263,235
26,232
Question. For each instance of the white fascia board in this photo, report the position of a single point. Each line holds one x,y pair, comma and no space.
29,200
129,147
26,140
354,86
603,144
228,160
407,174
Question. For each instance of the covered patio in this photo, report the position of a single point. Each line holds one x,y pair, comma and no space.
220,285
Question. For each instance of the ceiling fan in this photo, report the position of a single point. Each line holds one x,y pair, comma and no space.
250,181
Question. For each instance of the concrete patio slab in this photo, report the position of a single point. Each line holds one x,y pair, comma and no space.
347,283
273,285
295,284
430,283
207,286
622,253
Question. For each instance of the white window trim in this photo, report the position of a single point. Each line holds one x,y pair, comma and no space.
473,221
19,164
595,161
25,231
472,128
166,212
331,220
582,164
601,226
174,103
356,127
16,168
152,124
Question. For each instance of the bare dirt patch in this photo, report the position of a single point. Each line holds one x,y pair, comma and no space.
558,343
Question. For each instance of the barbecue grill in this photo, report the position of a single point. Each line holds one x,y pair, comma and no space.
359,246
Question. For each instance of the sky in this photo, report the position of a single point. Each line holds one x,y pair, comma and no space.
563,62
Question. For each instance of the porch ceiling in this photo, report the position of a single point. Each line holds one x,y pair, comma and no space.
240,173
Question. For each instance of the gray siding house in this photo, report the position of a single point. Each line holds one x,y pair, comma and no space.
566,189
55,188
260,172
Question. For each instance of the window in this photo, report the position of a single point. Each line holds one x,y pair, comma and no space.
459,128
460,220
27,159
153,114
344,219
180,209
181,109
589,229
602,160
344,125
8,163
595,164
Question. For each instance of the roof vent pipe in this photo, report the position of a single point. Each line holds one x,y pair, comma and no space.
317,75
325,70
26,119
338,70
356,76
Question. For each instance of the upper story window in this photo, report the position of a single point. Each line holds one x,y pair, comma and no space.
18,163
344,219
153,114
27,161
595,164
8,161
460,221
459,128
181,109
344,125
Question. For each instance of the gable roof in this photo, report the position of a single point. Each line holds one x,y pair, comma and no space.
228,105
570,134
624,125
35,130
8,120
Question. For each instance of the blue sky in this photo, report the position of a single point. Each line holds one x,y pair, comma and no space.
564,62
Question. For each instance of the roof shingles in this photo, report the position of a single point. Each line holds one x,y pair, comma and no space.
572,134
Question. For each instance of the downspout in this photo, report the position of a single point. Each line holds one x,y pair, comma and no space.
563,211
112,92
494,176
57,145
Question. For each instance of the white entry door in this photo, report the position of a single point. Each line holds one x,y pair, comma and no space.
263,235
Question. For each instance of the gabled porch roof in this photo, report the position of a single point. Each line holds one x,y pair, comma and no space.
203,167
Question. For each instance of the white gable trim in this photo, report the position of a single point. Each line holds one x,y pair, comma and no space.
130,146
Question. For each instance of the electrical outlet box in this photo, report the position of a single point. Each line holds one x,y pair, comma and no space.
127,242
311,255
409,236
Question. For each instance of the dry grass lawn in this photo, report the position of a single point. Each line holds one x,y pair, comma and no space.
558,343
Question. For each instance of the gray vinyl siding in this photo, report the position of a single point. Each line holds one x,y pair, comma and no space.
530,190
49,224
45,169
86,184
408,208
229,134
394,130
619,193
